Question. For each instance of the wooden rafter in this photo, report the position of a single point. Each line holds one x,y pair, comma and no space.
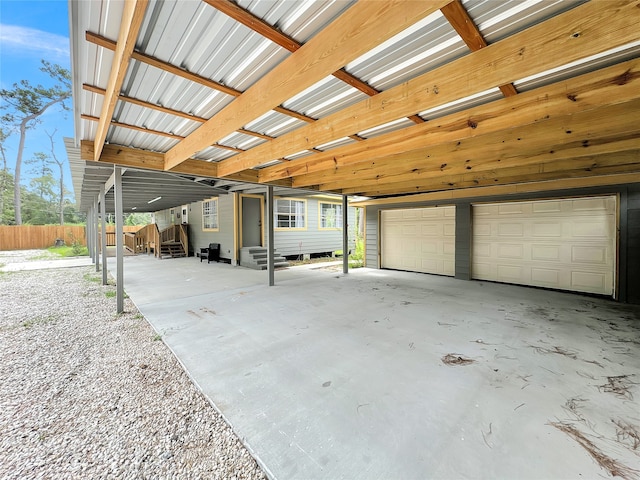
502,177
507,190
548,46
141,159
416,167
618,83
187,75
170,111
277,36
132,16
142,103
165,66
462,23
134,127
359,29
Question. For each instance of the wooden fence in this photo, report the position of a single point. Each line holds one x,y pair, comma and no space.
24,237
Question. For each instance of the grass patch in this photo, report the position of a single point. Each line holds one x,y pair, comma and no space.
69,251
157,337
32,322
92,278
110,294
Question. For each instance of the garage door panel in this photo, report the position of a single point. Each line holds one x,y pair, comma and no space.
426,237
545,277
510,229
591,255
566,244
589,281
508,250
545,253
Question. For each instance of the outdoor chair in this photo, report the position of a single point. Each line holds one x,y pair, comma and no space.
211,253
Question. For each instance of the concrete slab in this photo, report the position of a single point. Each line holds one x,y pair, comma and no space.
381,374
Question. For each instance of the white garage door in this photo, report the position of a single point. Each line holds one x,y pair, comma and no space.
419,239
568,244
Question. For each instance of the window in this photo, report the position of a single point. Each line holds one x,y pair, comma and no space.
330,215
290,213
210,214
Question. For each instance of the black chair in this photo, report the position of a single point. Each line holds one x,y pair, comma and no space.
212,252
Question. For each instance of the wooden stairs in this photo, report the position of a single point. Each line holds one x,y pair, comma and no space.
172,250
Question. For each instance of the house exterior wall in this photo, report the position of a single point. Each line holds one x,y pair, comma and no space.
628,274
201,238
313,239
309,240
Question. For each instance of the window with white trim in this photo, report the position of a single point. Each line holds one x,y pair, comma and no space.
210,214
330,215
290,213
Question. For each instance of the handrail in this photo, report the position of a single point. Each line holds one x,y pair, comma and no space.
184,239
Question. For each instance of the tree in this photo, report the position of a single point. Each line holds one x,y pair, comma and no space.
4,181
25,104
61,185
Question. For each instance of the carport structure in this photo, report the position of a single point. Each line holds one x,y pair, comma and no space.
408,104
490,140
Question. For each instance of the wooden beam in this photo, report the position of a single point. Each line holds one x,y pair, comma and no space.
130,23
464,25
511,172
254,23
362,178
541,47
507,190
618,83
143,104
278,37
142,159
359,29
506,177
563,137
134,127
165,66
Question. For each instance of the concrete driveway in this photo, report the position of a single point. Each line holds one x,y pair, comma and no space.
395,375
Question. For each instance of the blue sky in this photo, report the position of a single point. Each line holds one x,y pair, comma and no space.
30,31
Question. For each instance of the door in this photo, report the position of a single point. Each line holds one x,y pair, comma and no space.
419,239
568,244
251,233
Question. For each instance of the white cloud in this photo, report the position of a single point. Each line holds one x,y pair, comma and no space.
19,40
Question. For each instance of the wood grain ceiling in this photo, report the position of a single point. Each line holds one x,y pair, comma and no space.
578,128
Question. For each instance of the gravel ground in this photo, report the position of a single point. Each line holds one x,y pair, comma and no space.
86,393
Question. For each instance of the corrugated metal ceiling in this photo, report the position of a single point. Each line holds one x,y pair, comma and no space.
194,36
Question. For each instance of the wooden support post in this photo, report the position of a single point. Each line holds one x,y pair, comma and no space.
103,237
270,236
119,239
345,235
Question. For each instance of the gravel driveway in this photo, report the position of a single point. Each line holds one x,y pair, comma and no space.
86,393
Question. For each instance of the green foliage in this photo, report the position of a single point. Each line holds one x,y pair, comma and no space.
137,219
110,294
356,259
32,322
76,246
89,277
68,251
24,104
